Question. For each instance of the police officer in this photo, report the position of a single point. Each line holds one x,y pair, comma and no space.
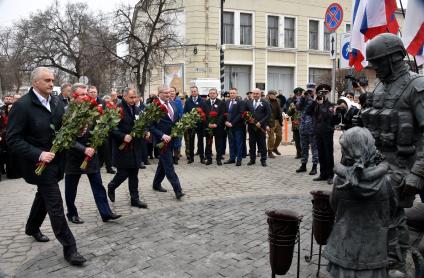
324,118
306,130
395,118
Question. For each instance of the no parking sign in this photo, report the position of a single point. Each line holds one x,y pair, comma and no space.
333,16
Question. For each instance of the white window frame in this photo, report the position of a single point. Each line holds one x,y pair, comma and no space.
236,38
281,18
320,34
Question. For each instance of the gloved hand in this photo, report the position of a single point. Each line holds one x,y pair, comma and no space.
413,184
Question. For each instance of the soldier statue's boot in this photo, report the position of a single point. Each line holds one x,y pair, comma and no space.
302,168
270,154
313,170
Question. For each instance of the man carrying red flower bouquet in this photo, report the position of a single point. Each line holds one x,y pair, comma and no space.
214,109
257,127
30,137
161,131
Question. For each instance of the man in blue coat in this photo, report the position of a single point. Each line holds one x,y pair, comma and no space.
127,161
161,132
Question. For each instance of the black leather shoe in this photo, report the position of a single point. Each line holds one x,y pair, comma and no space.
75,258
111,217
159,188
238,163
142,166
319,178
202,160
179,194
263,163
110,171
229,162
330,181
175,159
76,219
38,236
251,162
111,193
208,162
219,162
189,161
138,204
276,152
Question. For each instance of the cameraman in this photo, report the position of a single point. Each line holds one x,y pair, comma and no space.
324,119
345,111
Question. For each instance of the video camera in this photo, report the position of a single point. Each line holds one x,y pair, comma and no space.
357,82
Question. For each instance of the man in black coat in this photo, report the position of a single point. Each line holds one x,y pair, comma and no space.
217,107
127,161
195,101
161,132
65,93
30,137
261,112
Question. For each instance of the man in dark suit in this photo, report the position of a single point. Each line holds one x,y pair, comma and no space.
195,101
261,111
127,161
65,93
213,104
30,137
160,132
234,124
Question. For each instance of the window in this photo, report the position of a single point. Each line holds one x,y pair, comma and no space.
281,79
327,43
289,32
313,34
237,77
272,30
348,27
317,75
228,27
245,29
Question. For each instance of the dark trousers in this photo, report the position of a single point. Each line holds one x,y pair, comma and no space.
200,146
105,154
296,137
166,169
244,143
325,154
144,155
48,200
121,175
235,140
152,150
219,146
257,136
99,193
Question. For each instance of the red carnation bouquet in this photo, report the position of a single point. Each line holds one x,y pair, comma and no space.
248,119
152,113
213,117
80,113
202,114
188,121
108,120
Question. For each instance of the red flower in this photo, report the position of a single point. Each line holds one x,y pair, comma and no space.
213,114
93,101
110,105
100,109
201,113
75,95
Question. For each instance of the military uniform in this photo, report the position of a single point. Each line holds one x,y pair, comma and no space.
306,130
395,117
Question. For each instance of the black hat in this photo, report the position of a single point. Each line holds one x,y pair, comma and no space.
298,90
323,88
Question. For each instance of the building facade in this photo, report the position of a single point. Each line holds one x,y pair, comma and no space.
273,44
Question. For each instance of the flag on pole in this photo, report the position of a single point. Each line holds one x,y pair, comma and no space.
413,30
357,41
379,18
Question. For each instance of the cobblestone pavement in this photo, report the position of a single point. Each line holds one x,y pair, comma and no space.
204,185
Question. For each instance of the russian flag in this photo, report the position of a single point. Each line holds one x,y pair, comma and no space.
379,18
357,40
413,30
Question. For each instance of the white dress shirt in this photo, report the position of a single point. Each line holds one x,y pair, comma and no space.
45,102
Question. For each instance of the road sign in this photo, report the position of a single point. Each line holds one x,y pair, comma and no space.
344,50
333,16
333,45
